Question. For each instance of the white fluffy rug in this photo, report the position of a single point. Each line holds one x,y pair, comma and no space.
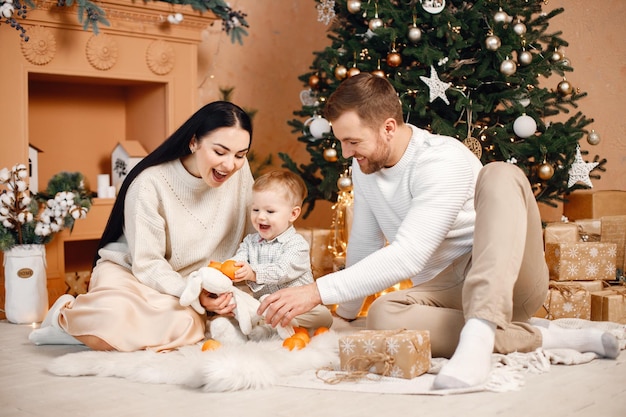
263,364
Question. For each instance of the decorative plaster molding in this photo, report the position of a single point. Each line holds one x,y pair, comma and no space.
41,47
160,57
102,51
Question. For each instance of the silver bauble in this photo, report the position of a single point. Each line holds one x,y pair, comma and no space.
565,88
376,23
593,138
508,67
525,58
519,28
493,43
344,183
501,16
556,56
354,6
415,34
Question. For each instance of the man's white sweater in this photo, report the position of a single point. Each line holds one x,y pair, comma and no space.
410,220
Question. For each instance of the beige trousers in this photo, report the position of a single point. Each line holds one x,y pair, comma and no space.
503,280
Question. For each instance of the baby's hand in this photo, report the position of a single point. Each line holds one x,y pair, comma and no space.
244,273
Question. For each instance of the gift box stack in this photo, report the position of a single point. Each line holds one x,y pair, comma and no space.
586,259
394,353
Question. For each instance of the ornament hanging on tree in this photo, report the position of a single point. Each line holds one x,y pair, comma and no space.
501,16
354,6
519,28
556,55
508,66
319,127
545,171
314,81
524,126
394,59
414,34
341,72
433,6
492,42
525,57
353,71
437,87
564,88
330,154
579,171
593,138
474,145
344,183
308,98
326,11
378,72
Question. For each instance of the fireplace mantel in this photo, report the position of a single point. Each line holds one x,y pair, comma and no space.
74,95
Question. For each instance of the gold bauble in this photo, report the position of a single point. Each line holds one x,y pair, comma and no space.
330,154
354,6
565,88
394,59
344,183
545,171
341,72
353,71
379,73
314,81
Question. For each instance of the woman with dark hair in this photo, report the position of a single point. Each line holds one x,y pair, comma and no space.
183,205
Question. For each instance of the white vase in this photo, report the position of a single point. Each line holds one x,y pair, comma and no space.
26,289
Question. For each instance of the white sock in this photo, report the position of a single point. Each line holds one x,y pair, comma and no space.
50,332
582,340
471,363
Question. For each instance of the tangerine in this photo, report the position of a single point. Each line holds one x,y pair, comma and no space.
216,265
211,344
292,343
300,330
304,336
320,330
229,268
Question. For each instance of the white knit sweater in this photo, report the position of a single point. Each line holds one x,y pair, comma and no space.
175,223
423,207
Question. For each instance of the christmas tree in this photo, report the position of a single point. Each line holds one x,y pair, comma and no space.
473,70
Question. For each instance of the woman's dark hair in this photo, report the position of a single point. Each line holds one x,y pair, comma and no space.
207,119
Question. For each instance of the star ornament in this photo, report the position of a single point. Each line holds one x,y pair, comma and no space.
437,87
579,171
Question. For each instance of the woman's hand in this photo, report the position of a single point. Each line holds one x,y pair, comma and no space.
218,304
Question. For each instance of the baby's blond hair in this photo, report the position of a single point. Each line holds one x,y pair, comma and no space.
288,183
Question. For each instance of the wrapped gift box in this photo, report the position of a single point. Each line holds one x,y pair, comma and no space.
585,261
395,353
560,232
609,305
594,204
322,261
569,299
614,231
589,229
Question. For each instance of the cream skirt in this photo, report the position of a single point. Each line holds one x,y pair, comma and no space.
129,315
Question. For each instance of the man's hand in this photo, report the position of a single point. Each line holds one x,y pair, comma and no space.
284,305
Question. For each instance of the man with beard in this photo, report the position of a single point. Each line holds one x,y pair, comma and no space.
469,237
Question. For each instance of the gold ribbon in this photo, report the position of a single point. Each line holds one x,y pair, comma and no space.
566,291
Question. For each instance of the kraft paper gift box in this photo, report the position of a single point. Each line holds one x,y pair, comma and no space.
321,258
584,261
569,299
589,229
560,232
614,231
609,305
594,204
394,353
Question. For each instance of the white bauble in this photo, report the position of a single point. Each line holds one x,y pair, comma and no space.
493,42
524,126
525,58
319,127
508,67
354,6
